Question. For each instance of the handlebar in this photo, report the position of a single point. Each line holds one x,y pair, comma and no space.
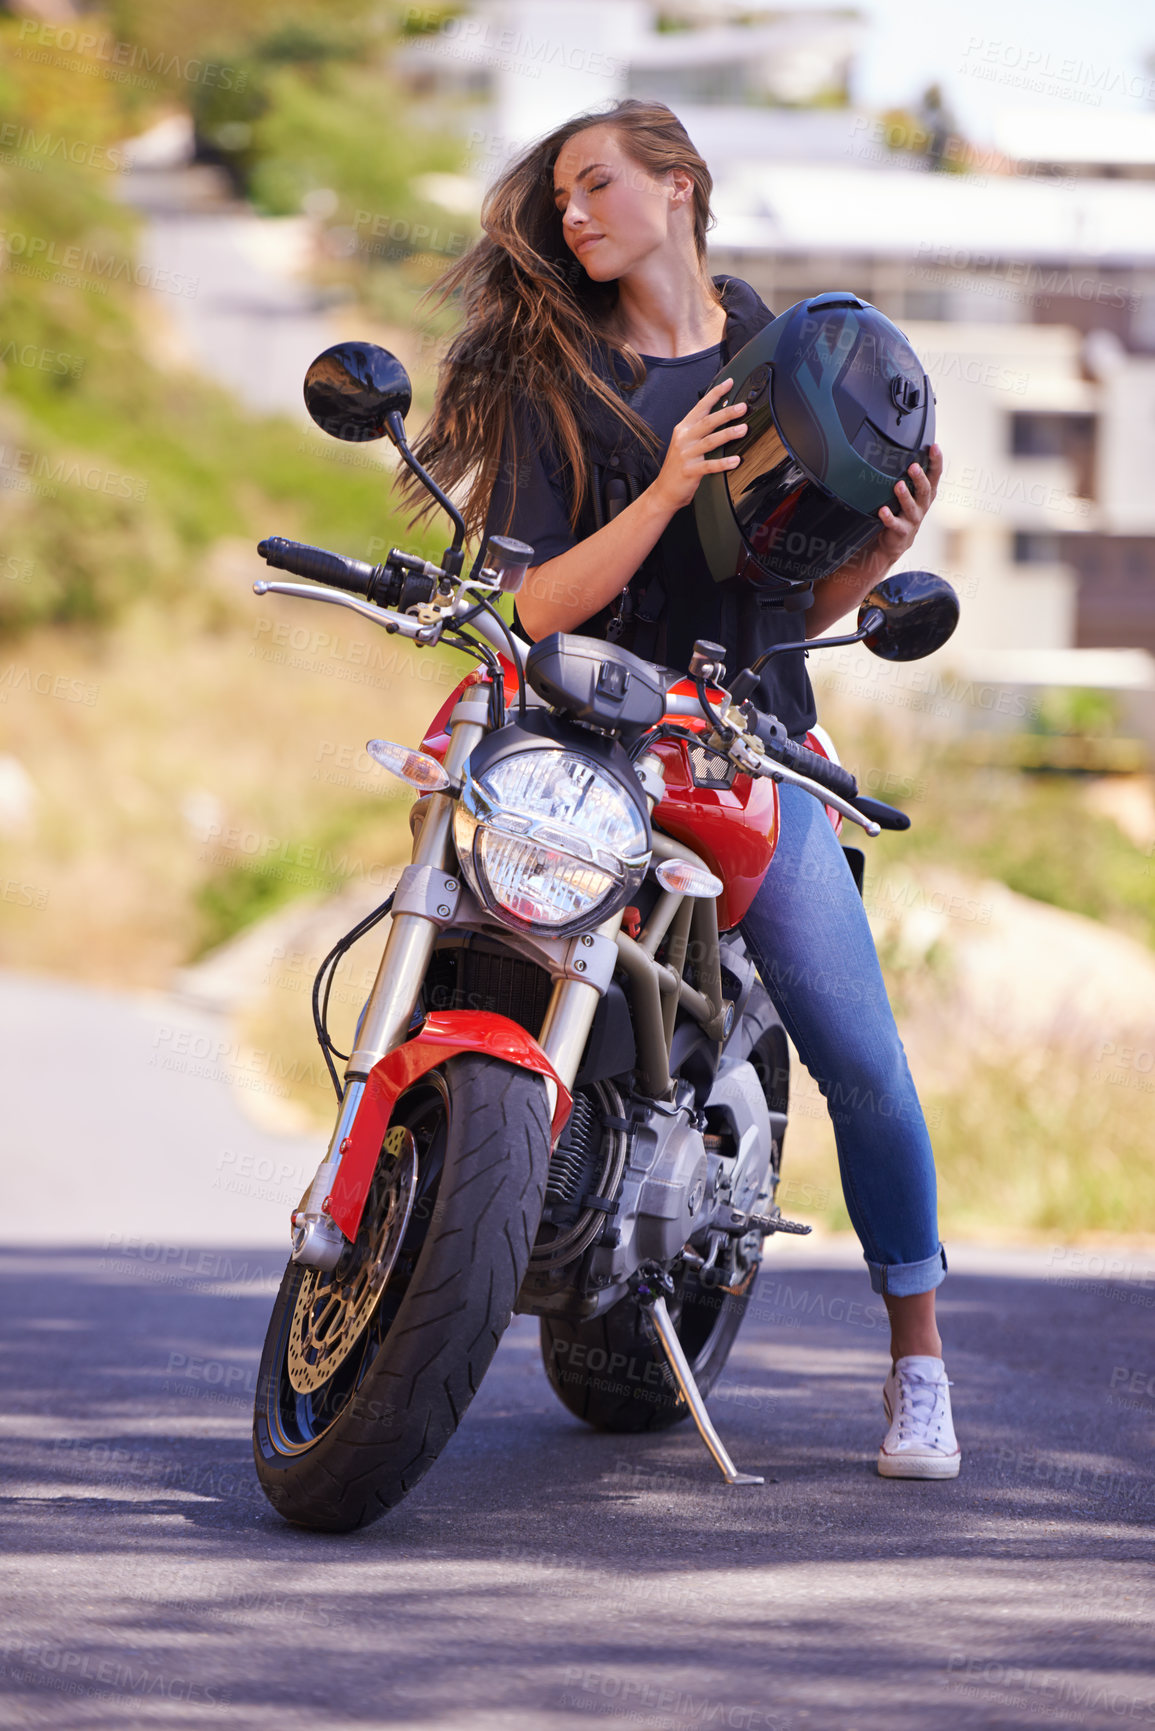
783,749
819,769
831,776
885,816
404,580
401,582
322,567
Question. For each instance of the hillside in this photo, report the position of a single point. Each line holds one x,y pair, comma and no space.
180,762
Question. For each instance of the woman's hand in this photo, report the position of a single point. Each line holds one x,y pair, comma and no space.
841,590
914,498
688,458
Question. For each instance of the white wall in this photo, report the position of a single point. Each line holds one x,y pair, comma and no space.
557,58
982,375
1125,471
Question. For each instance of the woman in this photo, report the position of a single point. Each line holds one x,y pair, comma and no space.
568,414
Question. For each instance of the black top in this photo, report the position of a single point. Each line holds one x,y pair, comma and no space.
733,613
541,509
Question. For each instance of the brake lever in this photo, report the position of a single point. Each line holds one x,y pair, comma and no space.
401,622
779,772
736,743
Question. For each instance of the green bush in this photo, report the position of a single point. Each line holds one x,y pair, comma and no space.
120,474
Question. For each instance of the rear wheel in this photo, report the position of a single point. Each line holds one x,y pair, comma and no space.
367,1370
612,1373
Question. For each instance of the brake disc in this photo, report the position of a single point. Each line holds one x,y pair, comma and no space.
334,1307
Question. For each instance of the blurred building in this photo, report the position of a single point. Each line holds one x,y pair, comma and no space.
1030,300
1024,272
537,59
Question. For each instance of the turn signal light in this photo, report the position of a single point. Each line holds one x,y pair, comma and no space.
422,772
685,878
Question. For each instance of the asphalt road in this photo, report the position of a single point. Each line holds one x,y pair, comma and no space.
542,1575
546,1576
132,1117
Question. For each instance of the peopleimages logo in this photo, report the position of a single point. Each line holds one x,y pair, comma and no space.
39,255
1046,282
40,147
1026,66
40,359
125,56
509,49
52,470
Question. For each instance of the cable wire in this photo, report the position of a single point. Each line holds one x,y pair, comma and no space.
321,1003
513,656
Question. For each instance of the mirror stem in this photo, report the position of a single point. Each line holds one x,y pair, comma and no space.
870,623
396,426
744,683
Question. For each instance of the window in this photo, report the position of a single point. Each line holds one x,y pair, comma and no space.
1039,435
1070,437
1033,547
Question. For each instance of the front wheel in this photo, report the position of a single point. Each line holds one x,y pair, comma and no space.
368,1369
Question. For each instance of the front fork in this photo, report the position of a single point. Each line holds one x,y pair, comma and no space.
317,1240
424,902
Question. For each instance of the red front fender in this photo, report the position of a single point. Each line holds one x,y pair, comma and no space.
443,1034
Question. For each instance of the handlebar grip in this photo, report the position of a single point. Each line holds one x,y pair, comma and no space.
885,816
320,566
799,757
820,769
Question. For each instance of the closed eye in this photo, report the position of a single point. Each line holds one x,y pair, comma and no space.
560,199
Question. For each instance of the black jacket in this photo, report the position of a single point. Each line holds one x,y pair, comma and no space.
672,599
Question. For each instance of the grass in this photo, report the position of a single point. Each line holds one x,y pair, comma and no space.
1042,1139
1045,1143
1046,1140
1036,833
190,777
1032,833
347,847
139,682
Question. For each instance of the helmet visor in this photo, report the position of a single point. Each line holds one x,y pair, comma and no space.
793,529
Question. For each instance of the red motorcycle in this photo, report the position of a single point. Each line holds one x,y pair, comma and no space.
568,1089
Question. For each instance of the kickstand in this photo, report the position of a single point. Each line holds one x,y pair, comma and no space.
655,1305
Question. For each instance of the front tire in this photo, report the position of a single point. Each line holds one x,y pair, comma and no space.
367,1371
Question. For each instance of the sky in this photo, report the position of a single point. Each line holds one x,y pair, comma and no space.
1054,54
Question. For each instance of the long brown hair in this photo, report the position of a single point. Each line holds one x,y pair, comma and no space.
534,319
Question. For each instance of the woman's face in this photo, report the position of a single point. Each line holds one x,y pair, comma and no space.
614,213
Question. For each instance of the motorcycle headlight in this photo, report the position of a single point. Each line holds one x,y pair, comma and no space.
549,841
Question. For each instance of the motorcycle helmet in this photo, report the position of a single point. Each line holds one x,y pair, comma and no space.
839,406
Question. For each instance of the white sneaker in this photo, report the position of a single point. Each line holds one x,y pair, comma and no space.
920,1443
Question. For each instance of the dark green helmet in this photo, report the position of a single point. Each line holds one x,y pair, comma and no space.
839,406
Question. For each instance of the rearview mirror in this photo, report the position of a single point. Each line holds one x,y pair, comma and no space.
357,391
919,611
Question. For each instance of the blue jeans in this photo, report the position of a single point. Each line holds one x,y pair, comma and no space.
808,934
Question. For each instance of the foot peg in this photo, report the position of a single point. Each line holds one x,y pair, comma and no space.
648,1292
741,1223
